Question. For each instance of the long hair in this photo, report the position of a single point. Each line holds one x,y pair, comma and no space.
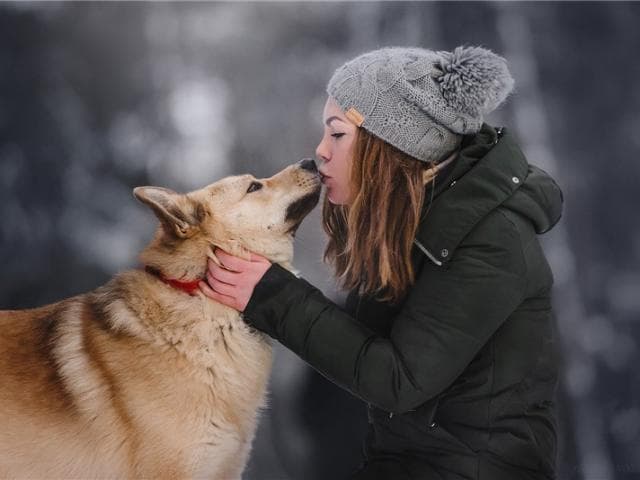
370,239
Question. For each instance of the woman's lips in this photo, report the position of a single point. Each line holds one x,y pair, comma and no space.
324,178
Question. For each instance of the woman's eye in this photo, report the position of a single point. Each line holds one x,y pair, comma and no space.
337,135
254,186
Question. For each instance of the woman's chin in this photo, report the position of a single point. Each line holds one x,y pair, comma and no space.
335,200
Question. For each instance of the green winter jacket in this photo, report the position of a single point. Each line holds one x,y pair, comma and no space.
460,377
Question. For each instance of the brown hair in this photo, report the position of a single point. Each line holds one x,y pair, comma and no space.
370,239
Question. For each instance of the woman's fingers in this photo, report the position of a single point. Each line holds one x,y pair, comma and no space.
204,288
221,287
230,262
233,284
218,297
236,263
222,274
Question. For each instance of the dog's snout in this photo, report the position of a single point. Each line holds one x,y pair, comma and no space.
308,164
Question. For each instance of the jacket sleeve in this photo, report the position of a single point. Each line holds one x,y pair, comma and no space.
449,314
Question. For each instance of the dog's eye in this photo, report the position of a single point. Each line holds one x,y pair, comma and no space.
254,186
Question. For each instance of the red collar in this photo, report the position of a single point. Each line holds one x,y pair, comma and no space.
188,287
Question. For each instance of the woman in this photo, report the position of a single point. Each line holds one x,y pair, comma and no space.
432,217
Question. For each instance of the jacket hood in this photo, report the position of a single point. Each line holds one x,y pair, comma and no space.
540,199
489,171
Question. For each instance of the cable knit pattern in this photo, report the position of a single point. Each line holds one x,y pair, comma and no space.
421,101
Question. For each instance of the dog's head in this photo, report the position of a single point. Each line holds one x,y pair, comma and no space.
239,214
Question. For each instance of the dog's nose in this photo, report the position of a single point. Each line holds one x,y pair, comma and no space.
308,164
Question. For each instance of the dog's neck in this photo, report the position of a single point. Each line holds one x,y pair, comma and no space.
190,287
191,323
174,259
186,262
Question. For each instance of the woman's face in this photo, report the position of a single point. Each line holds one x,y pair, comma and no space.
334,152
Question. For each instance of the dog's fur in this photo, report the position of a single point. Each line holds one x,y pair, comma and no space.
140,379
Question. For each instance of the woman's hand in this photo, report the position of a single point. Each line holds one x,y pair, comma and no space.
233,285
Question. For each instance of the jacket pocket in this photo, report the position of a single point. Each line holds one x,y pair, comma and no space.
415,430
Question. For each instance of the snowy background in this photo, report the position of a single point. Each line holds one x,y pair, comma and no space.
97,98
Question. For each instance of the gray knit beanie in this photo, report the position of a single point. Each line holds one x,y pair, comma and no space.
421,101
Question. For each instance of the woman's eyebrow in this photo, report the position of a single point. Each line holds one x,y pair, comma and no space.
331,119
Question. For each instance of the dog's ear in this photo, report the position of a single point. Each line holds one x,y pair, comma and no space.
171,208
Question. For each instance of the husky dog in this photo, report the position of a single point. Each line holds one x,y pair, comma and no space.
146,377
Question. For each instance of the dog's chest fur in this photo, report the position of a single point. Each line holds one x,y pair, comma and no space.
158,382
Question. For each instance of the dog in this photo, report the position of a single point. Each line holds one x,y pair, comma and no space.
145,377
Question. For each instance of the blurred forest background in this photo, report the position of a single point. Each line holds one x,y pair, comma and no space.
97,98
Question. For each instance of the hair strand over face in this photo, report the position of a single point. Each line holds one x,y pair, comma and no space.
370,240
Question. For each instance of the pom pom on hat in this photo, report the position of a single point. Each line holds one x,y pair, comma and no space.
473,80
422,101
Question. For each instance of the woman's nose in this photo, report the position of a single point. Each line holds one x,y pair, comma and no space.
321,151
